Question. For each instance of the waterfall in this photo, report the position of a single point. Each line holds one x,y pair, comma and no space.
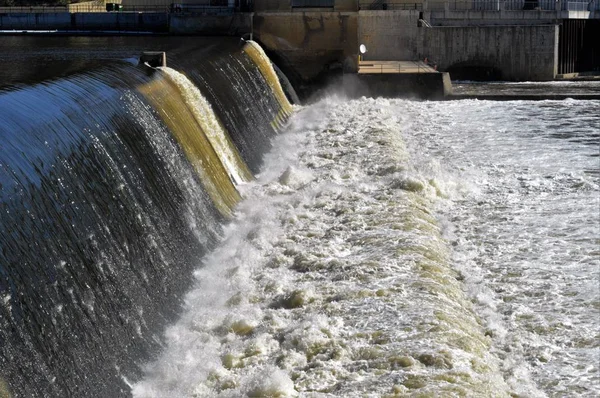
115,181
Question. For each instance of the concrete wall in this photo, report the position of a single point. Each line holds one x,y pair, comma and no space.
102,21
307,44
40,21
346,5
151,22
389,35
523,52
504,17
217,25
286,5
518,52
272,5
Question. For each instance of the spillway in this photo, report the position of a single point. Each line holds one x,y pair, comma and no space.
184,231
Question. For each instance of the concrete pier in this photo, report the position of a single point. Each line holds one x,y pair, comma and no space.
398,79
154,59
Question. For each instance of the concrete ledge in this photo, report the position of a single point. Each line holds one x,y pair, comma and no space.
524,97
429,86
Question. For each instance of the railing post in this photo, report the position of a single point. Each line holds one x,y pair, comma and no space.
425,5
558,6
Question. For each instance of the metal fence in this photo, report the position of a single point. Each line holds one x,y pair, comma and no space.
493,5
313,3
36,9
389,5
577,6
480,5
156,8
214,6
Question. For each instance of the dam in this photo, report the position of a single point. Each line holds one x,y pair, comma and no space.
311,41
186,228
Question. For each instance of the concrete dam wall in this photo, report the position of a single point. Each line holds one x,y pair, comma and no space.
494,52
311,44
87,21
524,52
308,44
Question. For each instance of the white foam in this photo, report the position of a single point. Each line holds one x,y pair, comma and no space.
333,277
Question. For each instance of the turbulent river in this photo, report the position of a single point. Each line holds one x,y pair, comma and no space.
391,248
186,232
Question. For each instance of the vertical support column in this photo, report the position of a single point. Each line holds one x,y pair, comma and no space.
569,38
573,45
556,68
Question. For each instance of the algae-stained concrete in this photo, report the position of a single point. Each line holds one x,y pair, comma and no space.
308,44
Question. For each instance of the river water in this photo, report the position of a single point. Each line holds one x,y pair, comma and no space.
392,248
171,233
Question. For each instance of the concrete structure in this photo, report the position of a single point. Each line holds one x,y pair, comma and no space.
485,38
154,58
428,86
390,35
234,24
307,45
299,5
167,3
393,79
88,21
494,52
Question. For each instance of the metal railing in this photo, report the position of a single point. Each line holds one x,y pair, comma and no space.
389,5
199,9
493,5
33,9
480,5
156,8
313,3
382,67
214,6
576,6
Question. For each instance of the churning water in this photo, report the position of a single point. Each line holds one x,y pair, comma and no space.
399,248
159,239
